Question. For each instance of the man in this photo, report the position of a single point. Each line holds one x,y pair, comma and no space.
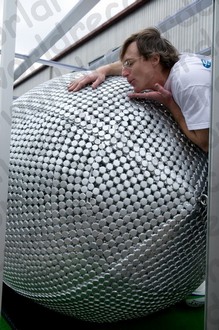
154,68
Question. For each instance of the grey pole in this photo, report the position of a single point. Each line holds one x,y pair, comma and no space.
77,12
212,288
6,97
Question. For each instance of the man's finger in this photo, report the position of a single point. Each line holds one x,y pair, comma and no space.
137,95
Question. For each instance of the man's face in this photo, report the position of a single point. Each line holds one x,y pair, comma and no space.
138,71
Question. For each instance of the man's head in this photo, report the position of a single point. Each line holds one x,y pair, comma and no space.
147,58
149,42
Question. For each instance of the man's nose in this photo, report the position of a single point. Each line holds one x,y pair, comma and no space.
125,72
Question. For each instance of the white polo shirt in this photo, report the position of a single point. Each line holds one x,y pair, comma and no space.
189,82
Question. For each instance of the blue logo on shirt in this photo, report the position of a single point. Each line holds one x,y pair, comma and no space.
206,63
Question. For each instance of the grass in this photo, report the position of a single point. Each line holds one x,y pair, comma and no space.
3,324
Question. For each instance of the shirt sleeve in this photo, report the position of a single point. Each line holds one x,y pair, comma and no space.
191,90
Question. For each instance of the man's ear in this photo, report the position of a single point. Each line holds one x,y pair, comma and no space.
155,59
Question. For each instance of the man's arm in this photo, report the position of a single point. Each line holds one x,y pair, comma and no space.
96,77
199,137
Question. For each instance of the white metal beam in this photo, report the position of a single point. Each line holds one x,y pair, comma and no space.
52,63
6,97
183,14
77,12
212,288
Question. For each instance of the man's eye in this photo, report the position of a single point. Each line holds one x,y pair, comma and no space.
127,63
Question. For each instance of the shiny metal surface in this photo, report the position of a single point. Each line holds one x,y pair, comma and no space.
105,220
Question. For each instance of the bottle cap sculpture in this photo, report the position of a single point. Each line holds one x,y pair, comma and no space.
106,204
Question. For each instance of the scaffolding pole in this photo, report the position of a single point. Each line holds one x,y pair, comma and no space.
6,98
212,282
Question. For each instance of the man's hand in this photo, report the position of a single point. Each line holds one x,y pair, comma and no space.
94,78
159,94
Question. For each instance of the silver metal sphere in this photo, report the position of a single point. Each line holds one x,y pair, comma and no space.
106,204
